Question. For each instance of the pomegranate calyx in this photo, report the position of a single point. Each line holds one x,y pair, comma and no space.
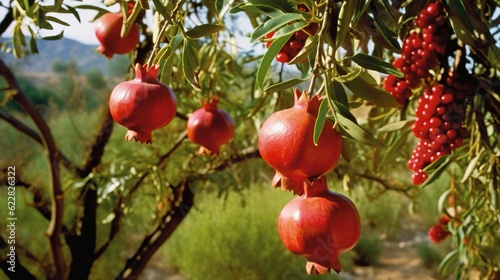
141,136
311,105
316,268
146,73
211,106
288,184
315,187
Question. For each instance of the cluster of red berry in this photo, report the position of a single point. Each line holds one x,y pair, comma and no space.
295,44
439,232
420,52
438,124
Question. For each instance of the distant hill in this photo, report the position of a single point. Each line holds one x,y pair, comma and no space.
64,50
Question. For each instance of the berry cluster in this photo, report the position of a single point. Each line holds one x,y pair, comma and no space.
439,232
295,44
420,52
438,124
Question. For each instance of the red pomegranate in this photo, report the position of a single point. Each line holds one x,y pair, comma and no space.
286,143
107,30
210,127
319,225
143,104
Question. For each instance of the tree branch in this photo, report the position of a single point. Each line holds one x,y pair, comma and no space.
53,156
34,135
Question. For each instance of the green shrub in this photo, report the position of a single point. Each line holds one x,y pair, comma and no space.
367,250
429,255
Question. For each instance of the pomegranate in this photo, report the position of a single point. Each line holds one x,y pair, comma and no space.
143,104
286,144
210,127
107,30
319,225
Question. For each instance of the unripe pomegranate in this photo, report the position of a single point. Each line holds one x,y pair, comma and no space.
107,30
319,225
286,143
143,104
210,127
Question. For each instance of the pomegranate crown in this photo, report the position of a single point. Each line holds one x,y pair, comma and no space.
211,105
146,73
311,105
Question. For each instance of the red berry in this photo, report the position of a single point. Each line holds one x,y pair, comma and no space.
282,57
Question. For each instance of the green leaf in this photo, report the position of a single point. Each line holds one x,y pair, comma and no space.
56,20
190,62
284,85
356,132
336,92
345,17
203,30
375,63
161,9
264,10
272,24
320,120
283,5
268,58
396,147
396,126
339,108
33,45
167,50
17,41
437,172
349,76
448,264
470,168
371,92
346,149
459,9
309,46
92,7
74,12
167,68
54,37
387,34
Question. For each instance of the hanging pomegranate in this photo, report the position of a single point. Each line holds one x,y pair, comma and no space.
142,104
286,144
210,127
319,225
107,31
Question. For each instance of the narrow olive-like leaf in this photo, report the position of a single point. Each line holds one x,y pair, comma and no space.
345,17
339,108
396,147
387,34
470,168
17,41
290,28
161,9
203,30
166,71
448,264
360,9
167,50
277,4
33,45
346,149
268,58
309,45
284,85
320,120
493,56
459,8
337,92
356,132
272,25
396,126
54,37
190,62
349,76
371,93
73,11
375,63
56,20
91,7
437,172
207,56
264,10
